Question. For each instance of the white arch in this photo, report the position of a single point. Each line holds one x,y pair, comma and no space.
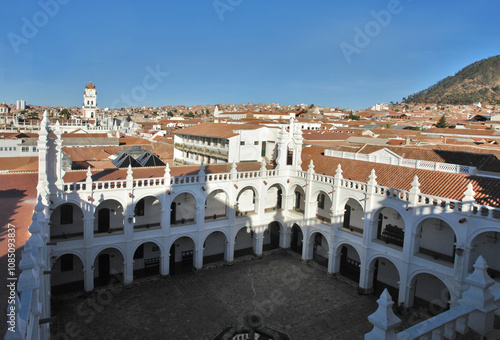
97,251
176,237
443,218
76,253
210,232
376,256
141,242
146,195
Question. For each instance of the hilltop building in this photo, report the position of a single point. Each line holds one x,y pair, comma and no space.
415,232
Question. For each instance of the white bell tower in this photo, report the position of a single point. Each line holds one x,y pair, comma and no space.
89,102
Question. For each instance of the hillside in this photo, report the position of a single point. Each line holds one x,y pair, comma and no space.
478,82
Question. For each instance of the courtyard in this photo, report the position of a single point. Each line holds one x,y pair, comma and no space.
293,297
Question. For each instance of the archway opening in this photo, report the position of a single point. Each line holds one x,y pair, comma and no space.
299,197
297,239
243,245
68,276
182,256
214,248
66,223
437,240
246,201
109,218
390,227
274,198
486,245
272,236
385,276
353,216
147,260
183,210
108,267
350,263
216,206
430,295
324,204
147,213
320,249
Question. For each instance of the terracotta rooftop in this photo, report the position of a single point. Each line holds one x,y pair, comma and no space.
17,199
434,183
90,86
216,130
19,163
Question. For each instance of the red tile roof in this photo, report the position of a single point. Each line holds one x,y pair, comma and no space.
442,184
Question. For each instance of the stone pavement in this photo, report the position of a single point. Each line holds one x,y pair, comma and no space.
296,298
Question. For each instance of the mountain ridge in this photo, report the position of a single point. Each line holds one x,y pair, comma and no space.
477,82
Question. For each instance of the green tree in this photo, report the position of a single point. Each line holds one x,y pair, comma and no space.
353,116
442,122
170,114
65,113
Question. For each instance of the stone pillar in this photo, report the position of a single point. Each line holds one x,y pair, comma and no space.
128,271
164,264
285,238
409,294
384,320
258,241
198,258
332,260
366,279
229,251
88,272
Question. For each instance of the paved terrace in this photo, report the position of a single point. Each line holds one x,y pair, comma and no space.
296,298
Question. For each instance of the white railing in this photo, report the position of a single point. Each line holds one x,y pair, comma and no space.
410,163
440,326
475,313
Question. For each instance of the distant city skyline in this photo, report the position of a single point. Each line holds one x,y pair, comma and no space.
190,52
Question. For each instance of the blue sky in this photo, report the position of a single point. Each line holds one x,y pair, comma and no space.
238,51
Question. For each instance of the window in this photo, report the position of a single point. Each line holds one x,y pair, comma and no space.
10,148
321,201
139,208
242,142
14,148
67,263
1,148
256,142
34,149
25,149
67,214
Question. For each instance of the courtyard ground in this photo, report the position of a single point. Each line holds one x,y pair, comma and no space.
293,297
296,298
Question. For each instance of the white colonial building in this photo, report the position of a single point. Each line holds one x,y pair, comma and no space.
414,232
212,143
